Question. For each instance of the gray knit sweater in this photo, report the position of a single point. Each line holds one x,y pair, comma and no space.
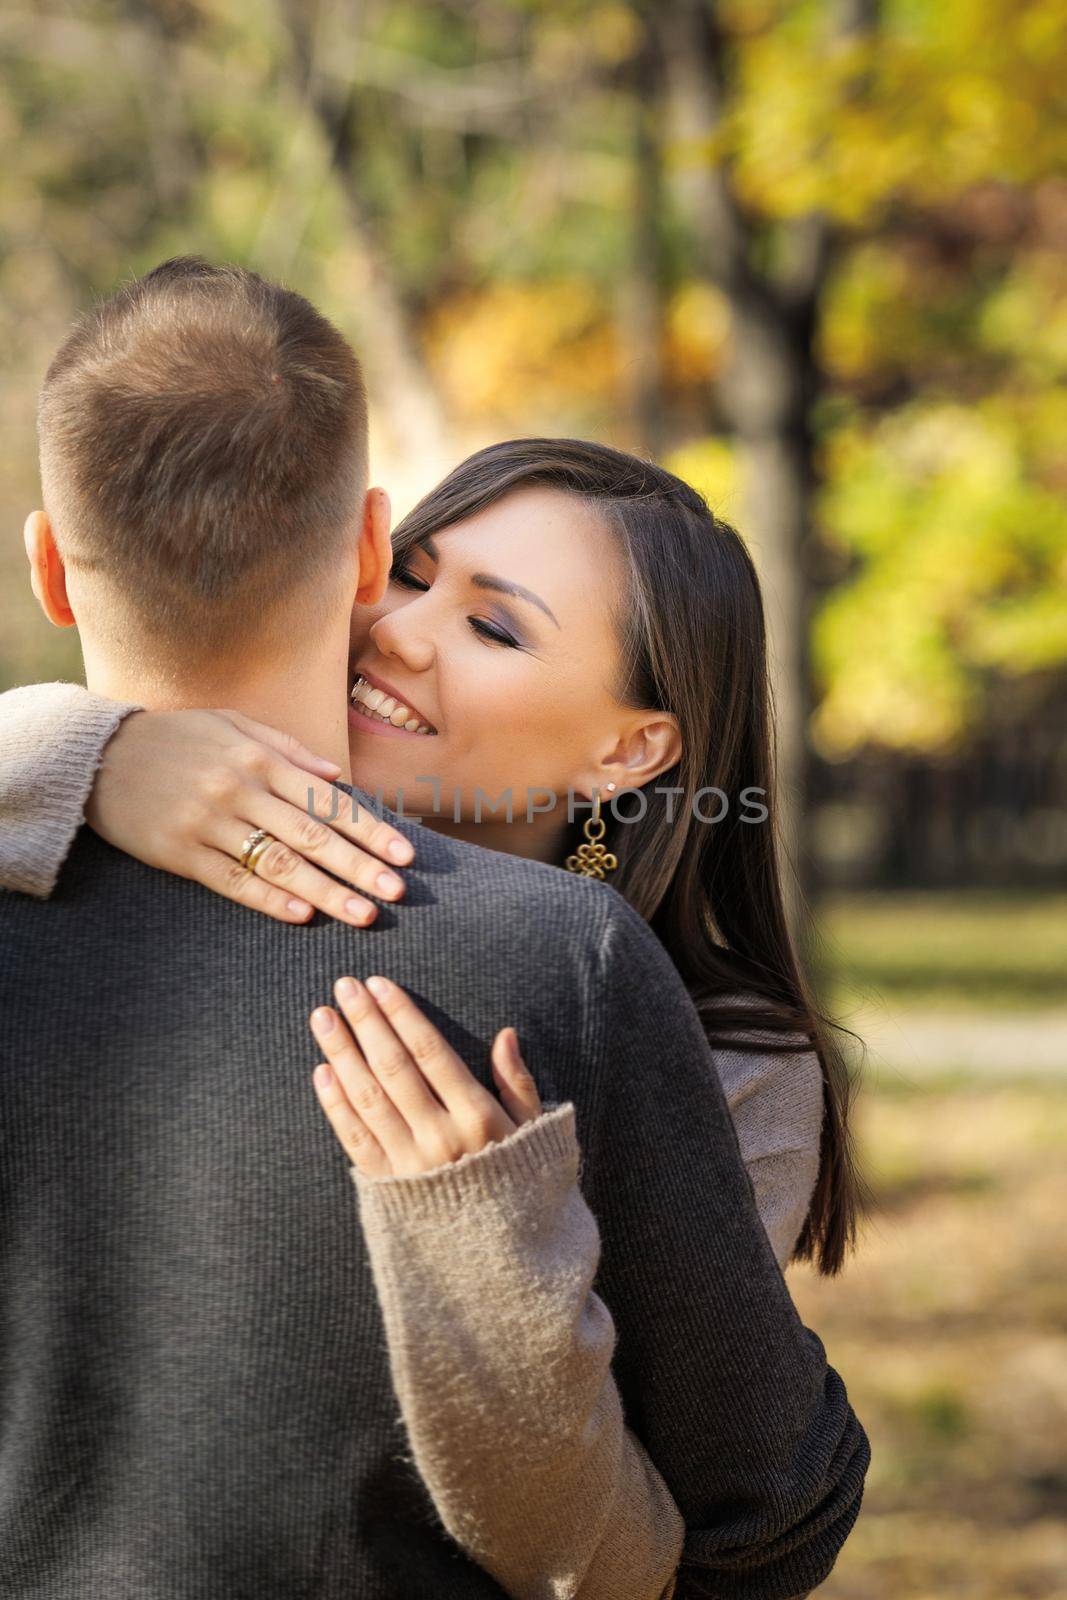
52,740
167,994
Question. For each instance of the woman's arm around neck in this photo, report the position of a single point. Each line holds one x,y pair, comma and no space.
52,741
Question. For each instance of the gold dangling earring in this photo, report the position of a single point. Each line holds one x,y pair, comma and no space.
592,860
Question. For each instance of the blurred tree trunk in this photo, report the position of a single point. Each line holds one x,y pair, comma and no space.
175,155
401,383
642,296
403,391
767,392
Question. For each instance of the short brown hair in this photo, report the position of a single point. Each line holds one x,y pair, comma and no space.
203,441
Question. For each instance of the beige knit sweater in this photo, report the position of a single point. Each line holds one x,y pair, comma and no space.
459,1254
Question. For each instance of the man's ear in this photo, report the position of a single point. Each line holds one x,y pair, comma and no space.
48,578
375,548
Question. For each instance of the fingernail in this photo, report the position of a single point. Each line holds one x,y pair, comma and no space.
401,850
356,908
322,1018
328,766
346,987
323,1076
378,987
388,884
299,908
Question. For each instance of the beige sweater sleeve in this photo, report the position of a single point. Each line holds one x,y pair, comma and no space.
777,1107
500,1350
500,1354
52,739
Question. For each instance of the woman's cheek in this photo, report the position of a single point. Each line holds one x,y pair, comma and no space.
360,628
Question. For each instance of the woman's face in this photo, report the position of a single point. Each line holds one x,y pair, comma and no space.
514,684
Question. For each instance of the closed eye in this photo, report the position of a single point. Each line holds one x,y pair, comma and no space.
408,580
491,633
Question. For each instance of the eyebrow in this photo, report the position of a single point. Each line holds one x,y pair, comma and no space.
485,580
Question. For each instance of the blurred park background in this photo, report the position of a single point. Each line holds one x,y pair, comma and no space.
813,257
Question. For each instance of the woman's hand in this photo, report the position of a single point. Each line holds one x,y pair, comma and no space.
398,1097
182,790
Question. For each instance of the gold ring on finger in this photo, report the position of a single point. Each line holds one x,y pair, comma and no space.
258,851
249,845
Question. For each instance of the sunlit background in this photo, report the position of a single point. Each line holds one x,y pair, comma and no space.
814,258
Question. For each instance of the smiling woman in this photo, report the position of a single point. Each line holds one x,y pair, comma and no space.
572,618
499,630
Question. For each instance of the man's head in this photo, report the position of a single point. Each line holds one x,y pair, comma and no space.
203,445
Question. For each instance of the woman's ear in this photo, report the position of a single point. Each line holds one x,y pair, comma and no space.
652,747
48,578
375,548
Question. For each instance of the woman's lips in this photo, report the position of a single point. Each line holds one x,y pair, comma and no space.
364,724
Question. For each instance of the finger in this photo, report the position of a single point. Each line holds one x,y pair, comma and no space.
316,841
285,744
222,874
388,1058
343,813
287,870
446,1072
355,1138
365,1094
517,1088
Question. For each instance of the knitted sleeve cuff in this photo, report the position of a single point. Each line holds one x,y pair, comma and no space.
540,1157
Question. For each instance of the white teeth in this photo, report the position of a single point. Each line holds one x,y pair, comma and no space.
386,708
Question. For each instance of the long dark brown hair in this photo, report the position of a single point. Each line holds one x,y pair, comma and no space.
693,642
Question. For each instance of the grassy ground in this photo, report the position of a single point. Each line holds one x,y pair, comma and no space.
967,948
949,1326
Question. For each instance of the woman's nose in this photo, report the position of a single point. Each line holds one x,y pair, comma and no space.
403,638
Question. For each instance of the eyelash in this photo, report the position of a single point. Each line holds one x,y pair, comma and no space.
408,580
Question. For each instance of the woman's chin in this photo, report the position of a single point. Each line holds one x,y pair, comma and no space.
398,773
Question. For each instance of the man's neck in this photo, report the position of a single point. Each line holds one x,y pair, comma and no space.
305,698
540,841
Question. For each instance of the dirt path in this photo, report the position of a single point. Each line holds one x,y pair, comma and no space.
998,1044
